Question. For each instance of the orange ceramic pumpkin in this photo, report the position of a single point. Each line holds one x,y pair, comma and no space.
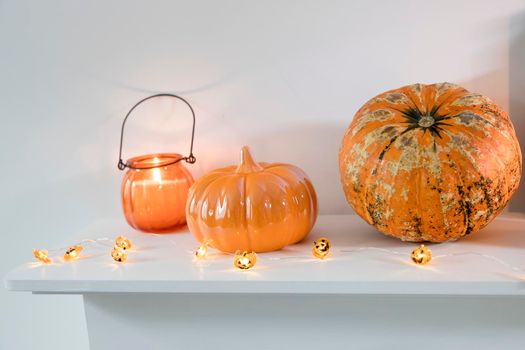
252,207
429,162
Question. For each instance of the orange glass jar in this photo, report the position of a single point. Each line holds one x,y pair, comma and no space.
155,187
154,198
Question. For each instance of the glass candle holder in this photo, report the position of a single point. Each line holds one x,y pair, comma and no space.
154,192
155,186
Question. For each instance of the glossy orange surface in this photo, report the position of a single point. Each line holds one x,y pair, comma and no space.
154,199
252,207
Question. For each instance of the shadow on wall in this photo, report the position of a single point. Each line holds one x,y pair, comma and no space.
314,148
517,93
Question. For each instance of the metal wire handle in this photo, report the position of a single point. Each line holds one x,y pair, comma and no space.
189,159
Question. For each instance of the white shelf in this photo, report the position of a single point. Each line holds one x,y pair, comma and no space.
165,264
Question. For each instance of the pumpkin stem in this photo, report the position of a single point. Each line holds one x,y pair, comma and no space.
247,164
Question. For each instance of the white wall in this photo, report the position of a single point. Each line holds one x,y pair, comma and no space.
285,77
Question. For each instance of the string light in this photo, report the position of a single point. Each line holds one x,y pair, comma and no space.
245,260
73,252
421,255
119,255
123,243
321,248
201,252
42,255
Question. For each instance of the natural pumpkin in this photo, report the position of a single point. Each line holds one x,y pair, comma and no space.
429,162
252,207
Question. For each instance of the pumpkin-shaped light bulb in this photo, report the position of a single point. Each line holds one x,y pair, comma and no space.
123,243
41,255
421,255
201,252
321,248
245,260
119,255
72,252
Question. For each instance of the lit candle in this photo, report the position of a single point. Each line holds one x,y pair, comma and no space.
154,192
157,175
155,186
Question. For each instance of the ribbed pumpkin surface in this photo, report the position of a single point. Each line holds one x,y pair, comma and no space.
254,206
429,162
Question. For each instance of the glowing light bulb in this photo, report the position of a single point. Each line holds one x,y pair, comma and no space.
321,248
421,255
245,260
123,243
73,252
119,255
42,255
201,252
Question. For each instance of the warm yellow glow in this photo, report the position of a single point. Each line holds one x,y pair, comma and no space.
421,255
118,255
245,260
41,255
73,252
123,243
201,252
321,248
157,175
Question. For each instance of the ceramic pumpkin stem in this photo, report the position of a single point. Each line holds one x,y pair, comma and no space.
247,164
